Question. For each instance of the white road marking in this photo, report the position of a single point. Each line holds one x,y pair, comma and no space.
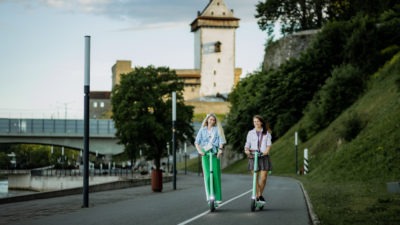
208,211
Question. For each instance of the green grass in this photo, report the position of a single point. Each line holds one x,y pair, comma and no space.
347,179
200,117
193,165
353,202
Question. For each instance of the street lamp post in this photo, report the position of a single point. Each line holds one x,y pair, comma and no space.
295,143
86,124
173,135
168,154
185,159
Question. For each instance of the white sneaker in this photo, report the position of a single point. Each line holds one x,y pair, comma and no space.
261,200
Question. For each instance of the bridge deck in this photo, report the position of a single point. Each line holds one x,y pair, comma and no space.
54,127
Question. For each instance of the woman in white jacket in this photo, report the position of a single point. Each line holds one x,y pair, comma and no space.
259,139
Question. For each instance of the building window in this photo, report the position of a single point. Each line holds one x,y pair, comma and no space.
217,46
219,60
95,104
102,104
215,72
215,84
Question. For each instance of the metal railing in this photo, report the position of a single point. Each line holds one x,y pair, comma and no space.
55,126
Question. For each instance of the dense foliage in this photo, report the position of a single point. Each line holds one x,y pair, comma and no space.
31,156
142,111
339,92
344,53
298,15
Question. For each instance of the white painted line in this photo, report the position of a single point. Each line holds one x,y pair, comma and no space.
208,211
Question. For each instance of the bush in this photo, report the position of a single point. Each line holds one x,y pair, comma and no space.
351,126
338,93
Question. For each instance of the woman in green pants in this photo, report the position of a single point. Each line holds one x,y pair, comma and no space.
210,137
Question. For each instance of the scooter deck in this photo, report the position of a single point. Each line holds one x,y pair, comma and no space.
260,205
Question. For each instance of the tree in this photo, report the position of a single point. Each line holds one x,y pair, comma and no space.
142,111
298,15
293,15
4,160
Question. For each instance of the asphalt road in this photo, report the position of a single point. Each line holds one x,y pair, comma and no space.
185,205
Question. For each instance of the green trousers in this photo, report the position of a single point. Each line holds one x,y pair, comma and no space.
217,176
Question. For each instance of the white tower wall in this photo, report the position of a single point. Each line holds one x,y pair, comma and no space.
217,68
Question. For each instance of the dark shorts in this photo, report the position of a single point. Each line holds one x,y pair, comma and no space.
264,163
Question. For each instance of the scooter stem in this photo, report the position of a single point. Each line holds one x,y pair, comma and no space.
255,174
211,175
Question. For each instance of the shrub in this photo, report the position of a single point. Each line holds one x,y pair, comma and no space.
338,93
351,126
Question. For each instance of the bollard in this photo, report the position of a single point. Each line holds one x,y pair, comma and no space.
305,161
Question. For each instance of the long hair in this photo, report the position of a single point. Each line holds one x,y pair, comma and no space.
265,125
205,121
217,124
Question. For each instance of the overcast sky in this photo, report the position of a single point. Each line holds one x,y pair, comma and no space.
42,47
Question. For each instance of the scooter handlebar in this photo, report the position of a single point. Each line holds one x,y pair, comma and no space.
252,153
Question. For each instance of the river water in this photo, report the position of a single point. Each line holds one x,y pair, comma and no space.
4,192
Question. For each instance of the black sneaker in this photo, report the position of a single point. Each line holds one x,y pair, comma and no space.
261,199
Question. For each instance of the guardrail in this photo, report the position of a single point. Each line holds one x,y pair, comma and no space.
122,172
15,171
55,126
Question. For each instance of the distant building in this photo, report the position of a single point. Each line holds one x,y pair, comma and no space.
100,104
207,86
191,77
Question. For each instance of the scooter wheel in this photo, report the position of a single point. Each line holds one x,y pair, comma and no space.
212,206
253,205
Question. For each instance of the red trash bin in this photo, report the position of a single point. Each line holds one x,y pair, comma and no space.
156,180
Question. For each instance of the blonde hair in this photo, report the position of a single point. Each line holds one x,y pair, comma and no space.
217,124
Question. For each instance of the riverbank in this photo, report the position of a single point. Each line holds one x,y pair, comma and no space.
120,184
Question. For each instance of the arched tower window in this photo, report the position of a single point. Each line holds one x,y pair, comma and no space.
217,46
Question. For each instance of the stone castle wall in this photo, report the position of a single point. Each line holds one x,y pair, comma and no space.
287,47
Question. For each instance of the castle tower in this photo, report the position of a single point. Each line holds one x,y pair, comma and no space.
120,67
214,48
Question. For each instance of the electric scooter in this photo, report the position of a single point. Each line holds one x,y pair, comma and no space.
254,203
211,196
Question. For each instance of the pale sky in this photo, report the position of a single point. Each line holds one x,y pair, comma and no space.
42,47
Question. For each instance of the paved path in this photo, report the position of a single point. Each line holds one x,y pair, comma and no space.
186,205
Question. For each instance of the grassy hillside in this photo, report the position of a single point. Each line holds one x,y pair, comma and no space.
347,178
348,173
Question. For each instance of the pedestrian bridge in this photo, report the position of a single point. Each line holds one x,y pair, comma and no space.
61,132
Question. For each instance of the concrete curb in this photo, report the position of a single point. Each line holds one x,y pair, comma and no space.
313,217
74,191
